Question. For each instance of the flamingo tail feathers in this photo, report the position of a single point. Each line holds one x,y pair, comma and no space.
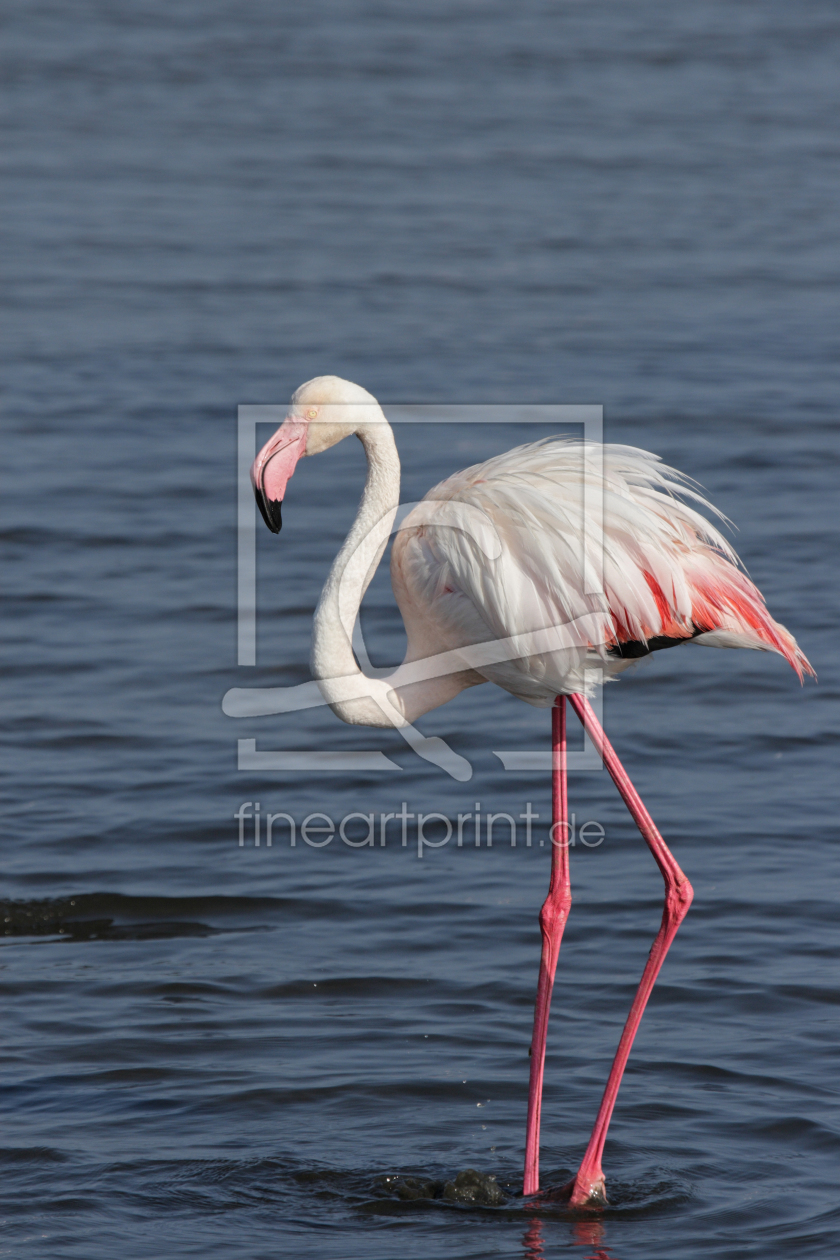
729,611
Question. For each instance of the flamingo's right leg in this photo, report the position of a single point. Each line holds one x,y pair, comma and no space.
553,916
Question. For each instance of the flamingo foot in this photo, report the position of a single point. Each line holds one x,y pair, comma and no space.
587,1190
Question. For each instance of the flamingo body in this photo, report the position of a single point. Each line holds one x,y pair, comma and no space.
665,574
544,570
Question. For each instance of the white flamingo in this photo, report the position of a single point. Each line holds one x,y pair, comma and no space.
539,570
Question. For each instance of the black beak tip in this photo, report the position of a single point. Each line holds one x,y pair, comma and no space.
275,517
269,511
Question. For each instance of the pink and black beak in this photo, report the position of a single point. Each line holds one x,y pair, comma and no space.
274,466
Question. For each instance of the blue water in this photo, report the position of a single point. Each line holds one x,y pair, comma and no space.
230,1052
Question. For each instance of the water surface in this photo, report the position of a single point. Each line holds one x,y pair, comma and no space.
244,1052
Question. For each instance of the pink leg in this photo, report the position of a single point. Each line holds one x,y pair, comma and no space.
588,1186
553,918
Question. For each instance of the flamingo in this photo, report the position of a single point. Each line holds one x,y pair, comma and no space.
508,572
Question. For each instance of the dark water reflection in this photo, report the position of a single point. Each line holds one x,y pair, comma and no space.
588,1235
222,1051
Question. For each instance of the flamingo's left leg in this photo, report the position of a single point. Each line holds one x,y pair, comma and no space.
588,1186
553,916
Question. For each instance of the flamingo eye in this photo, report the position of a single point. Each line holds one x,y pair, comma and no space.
311,413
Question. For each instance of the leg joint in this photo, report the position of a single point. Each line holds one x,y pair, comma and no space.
555,911
678,898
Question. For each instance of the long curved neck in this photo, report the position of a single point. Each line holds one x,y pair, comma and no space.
353,568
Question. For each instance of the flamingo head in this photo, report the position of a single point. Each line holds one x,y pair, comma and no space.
322,412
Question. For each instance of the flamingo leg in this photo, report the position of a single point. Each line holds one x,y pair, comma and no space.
553,916
588,1186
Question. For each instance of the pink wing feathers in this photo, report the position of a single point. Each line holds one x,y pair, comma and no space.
600,547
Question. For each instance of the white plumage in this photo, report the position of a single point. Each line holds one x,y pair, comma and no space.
545,570
567,511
